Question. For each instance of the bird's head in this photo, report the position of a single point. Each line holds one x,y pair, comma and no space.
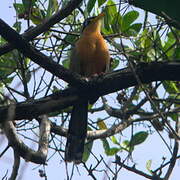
93,24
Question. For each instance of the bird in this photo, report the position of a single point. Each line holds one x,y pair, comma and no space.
89,57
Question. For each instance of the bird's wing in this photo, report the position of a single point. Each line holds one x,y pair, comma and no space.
75,62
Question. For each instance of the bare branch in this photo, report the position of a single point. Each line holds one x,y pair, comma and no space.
164,165
97,134
15,166
110,82
172,161
7,147
33,32
132,169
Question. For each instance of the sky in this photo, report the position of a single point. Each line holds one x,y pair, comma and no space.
56,170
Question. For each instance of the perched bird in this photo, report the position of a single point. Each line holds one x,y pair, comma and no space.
89,57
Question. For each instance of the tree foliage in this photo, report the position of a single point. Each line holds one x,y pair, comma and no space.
35,98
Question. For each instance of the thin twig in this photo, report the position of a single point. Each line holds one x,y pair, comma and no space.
15,166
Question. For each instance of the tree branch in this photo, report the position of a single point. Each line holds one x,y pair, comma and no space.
44,132
32,33
44,61
172,161
109,83
98,134
23,150
132,169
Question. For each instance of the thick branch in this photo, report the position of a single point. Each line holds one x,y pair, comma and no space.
97,134
44,61
44,132
100,86
32,33
22,149
114,129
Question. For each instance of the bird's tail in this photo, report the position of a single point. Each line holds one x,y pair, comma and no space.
77,133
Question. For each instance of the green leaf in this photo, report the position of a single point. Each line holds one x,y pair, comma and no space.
148,166
177,53
90,5
90,106
65,63
17,26
70,39
105,145
52,7
145,41
126,146
106,21
8,64
109,151
134,29
111,7
138,138
87,150
2,41
170,87
174,117
113,151
37,16
128,19
110,11
101,2
101,125
114,140
19,8
114,64
168,44
55,89
27,61
8,80
117,23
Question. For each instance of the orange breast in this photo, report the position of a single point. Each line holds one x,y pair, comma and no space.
93,54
